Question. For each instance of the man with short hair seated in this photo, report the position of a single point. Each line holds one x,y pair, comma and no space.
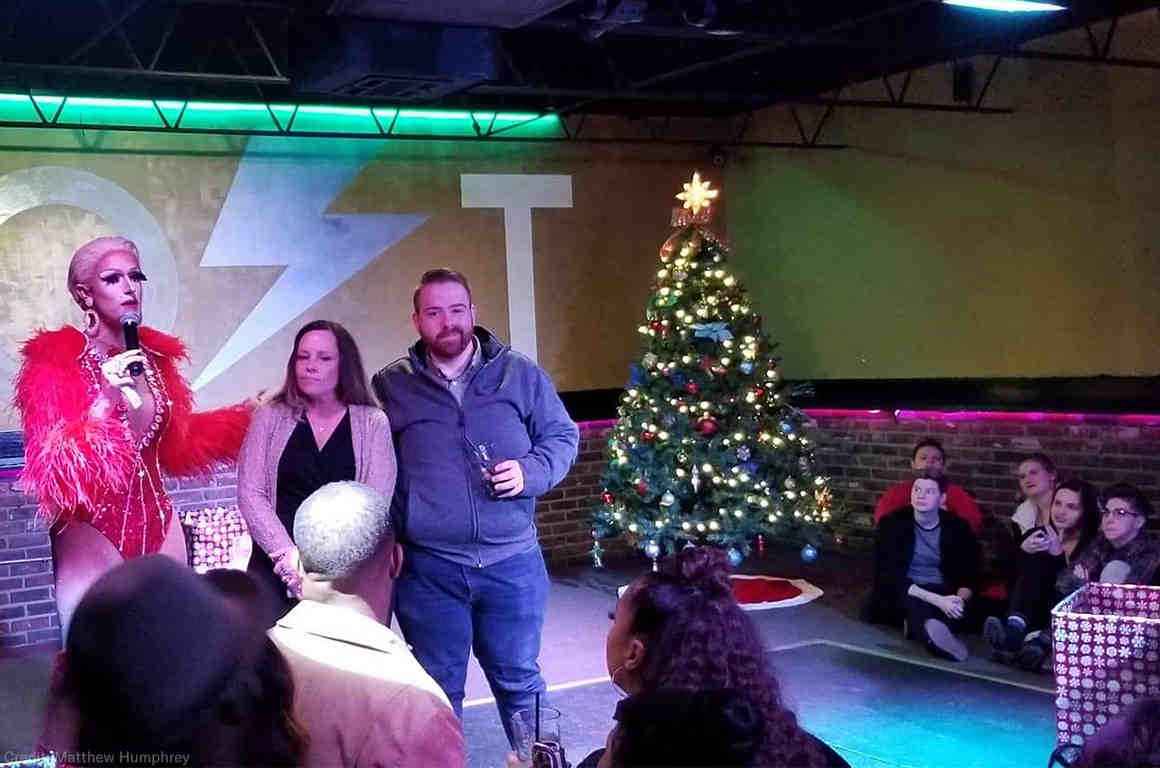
926,565
362,696
929,456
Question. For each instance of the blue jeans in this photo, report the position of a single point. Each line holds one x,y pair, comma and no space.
446,609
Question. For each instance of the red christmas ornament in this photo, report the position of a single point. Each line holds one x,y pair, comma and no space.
760,545
707,426
657,326
642,487
692,387
759,391
647,436
607,498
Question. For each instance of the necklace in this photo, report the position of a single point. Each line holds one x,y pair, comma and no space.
323,427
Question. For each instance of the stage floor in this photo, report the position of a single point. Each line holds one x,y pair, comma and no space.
877,699
874,697
875,709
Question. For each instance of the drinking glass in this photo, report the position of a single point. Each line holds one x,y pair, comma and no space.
486,458
526,733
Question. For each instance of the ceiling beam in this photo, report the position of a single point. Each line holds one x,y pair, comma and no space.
132,73
1078,58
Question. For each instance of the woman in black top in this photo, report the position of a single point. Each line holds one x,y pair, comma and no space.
321,428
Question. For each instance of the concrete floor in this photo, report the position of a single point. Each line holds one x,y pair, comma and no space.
838,705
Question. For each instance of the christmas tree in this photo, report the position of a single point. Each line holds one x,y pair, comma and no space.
706,448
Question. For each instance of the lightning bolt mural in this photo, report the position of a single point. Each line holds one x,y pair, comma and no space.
275,215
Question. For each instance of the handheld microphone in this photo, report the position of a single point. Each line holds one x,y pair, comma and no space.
129,323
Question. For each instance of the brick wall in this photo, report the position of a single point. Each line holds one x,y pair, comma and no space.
564,515
866,454
863,453
28,617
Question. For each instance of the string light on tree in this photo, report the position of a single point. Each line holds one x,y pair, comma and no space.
705,444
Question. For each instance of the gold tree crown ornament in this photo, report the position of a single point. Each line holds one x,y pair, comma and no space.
696,200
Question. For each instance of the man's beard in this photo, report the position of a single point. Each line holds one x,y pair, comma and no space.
451,343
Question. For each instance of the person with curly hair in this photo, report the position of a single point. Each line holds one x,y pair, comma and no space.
680,630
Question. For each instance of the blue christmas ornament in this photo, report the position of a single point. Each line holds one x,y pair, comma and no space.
714,331
735,557
678,379
786,427
809,553
750,468
636,375
746,367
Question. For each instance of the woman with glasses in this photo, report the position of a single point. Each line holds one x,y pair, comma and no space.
1123,553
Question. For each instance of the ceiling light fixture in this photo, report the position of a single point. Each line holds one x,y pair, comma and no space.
1008,6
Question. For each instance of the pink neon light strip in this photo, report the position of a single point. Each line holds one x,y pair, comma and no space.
1048,417
906,414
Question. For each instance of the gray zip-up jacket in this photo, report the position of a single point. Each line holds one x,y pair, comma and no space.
440,503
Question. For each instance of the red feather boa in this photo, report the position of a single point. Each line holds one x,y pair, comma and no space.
72,458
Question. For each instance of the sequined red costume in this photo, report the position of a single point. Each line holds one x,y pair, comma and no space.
93,470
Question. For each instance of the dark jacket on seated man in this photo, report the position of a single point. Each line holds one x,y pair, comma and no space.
894,550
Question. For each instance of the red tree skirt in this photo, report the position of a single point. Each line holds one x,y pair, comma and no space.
757,593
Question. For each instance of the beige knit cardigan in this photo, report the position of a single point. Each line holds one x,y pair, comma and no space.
270,430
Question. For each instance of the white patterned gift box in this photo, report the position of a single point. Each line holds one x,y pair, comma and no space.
1107,655
218,538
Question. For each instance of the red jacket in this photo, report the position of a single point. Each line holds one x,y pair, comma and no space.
958,501
88,469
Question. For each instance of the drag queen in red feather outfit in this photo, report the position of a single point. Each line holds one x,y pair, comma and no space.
97,438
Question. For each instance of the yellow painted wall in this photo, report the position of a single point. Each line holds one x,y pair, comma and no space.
947,245
593,267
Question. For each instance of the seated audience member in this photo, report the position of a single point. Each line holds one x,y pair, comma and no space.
1123,552
1074,523
363,697
157,663
1037,478
1129,741
926,564
680,631
930,458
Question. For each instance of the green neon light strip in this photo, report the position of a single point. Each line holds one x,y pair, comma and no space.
62,111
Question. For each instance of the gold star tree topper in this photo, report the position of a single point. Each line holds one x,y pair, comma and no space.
696,199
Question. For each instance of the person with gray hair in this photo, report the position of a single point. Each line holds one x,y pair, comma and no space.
363,697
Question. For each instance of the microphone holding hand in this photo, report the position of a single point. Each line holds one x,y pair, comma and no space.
117,373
